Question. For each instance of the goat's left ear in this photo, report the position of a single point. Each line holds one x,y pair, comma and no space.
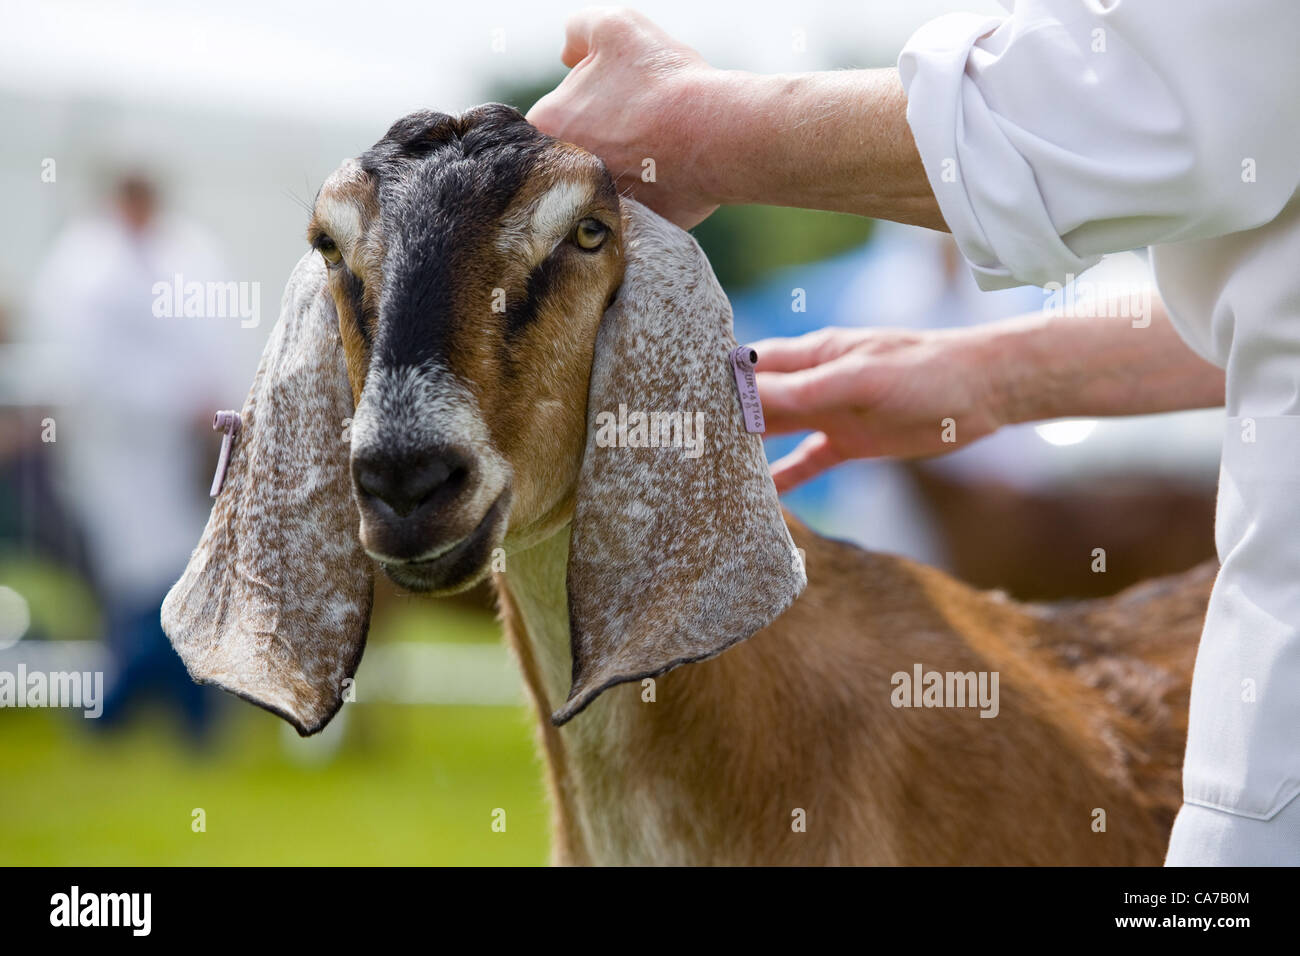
676,552
274,604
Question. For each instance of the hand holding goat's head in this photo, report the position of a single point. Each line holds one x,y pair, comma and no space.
489,313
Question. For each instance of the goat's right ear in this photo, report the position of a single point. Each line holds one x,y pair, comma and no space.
676,553
274,604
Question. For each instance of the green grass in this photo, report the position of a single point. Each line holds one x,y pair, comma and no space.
406,785
384,784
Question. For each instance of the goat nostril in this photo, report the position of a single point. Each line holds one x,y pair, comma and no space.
405,486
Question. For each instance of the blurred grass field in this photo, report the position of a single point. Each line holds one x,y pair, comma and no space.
408,786
384,784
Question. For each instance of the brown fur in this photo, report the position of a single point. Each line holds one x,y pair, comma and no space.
1093,696
1093,716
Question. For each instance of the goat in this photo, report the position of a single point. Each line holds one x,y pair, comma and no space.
437,395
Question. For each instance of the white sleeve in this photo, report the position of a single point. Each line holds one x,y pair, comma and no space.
1066,131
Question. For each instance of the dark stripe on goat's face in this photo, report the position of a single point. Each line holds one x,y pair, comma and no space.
363,318
523,313
437,222
443,185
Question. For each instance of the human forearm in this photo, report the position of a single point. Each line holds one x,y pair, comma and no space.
1048,366
685,137
837,141
869,392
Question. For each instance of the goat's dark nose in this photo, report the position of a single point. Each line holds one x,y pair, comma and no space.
410,482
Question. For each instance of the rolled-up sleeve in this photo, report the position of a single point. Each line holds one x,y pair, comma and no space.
1071,129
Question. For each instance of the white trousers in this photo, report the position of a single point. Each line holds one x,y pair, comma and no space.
1241,775
1205,837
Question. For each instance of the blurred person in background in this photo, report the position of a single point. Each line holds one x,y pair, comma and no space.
141,389
1042,140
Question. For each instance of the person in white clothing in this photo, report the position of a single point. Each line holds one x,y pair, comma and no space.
1042,140
142,384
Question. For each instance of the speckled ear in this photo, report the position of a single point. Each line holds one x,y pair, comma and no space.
677,551
275,602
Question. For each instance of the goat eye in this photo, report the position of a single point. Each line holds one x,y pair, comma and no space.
329,250
590,234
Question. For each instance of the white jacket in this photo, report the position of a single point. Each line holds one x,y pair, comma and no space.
1075,128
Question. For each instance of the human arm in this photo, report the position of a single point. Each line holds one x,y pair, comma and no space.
1042,140
835,140
887,392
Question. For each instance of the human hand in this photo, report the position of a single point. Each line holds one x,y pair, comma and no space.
873,392
634,94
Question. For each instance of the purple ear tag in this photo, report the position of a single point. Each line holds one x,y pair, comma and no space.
743,360
228,422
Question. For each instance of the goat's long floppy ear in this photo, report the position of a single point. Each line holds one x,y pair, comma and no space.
676,552
274,604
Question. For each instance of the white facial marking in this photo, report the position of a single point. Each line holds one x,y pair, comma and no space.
534,230
342,220
559,206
